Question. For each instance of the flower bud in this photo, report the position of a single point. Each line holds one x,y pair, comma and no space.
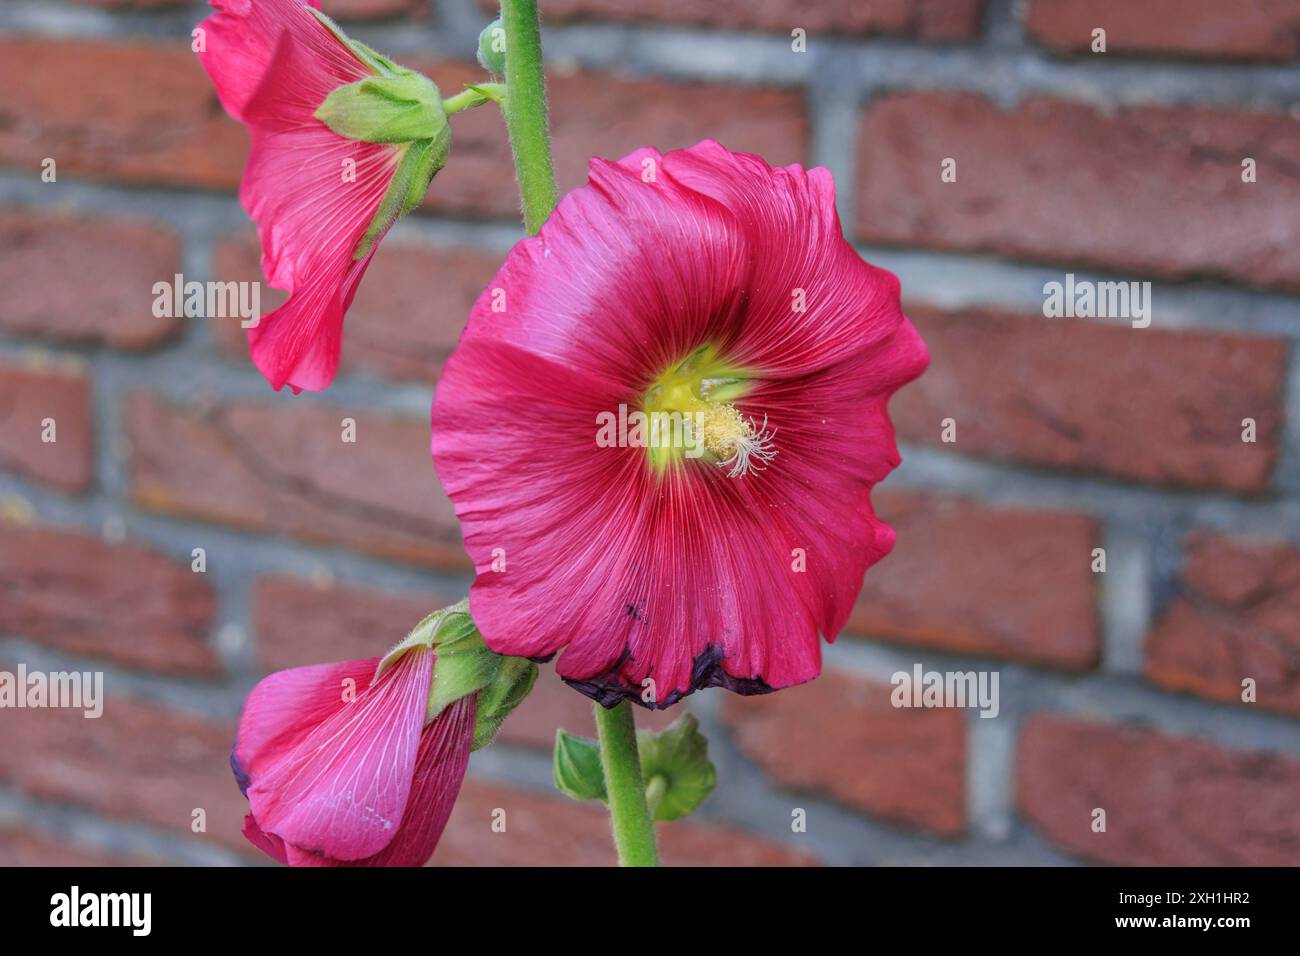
492,48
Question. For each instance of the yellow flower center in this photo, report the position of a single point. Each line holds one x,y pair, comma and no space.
692,414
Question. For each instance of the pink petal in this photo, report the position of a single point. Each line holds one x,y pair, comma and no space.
240,38
343,789
439,771
269,844
286,706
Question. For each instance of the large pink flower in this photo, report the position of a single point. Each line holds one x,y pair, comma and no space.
313,193
342,769
705,284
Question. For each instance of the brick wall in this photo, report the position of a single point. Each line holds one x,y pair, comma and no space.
1118,690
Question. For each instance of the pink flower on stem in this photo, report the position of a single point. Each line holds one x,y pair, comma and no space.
343,142
712,294
342,768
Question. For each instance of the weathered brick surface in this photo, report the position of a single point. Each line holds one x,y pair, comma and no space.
299,622
124,603
84,279
1151,405
1059,181
841,737
31,394
139,762
98,109
1238,617
1263,29
1009,583
936,20
609,115
282,466
550,830
1169,801
407,315
20,847
1149,190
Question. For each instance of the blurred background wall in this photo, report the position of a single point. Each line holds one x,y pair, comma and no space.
1119,690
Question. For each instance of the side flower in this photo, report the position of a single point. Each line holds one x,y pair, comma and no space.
343,142
359,763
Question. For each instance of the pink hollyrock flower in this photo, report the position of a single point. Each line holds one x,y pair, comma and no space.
715,296
343,142
337,780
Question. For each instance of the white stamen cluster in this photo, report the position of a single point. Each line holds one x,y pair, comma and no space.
751,451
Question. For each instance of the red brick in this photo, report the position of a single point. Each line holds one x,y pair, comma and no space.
408,313
840,736
1152,191
124,603
298,622
1008,583
136,112
1149,404
551,830
28,396
85,279
1169,801
924,19
1238,616
31,848
143,763
608,115
281,466
1267,29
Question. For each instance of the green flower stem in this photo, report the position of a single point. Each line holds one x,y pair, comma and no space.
525,112
629,815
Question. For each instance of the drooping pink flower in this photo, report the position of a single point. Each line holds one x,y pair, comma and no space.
707,285
322,201
342,769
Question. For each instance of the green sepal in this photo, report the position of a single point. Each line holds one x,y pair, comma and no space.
386,109
676,767
512,682
420,162
465,666
576,767
426,633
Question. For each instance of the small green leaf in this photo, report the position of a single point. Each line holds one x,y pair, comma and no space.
576,767
676,767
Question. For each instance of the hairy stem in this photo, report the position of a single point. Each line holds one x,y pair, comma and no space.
629,815
525,112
